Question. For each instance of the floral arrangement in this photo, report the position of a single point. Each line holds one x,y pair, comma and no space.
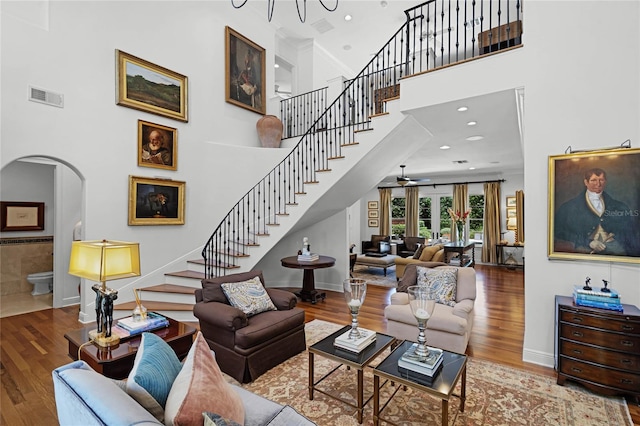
459,219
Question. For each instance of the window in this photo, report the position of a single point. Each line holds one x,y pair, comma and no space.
476,216
446,202
425,217
398,223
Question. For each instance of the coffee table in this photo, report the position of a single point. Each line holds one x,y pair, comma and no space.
357,361
116,361
454,367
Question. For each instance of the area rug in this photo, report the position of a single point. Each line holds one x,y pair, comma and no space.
496,395
375,276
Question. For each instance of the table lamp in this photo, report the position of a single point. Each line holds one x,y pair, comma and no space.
102,261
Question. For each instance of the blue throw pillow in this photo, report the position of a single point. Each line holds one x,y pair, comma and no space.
154,370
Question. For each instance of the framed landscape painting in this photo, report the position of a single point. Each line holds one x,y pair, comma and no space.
244,72
148,87
154,201
594,206
157,146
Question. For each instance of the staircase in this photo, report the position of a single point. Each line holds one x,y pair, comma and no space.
340,146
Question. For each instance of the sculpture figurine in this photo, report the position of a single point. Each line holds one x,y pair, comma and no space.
306,247
605,289
586,284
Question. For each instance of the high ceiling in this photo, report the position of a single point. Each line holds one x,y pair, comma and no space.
354,42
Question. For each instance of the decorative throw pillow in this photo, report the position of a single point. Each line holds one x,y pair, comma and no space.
418,251
213,419
154,369
248,296
441,282
428,252
200,387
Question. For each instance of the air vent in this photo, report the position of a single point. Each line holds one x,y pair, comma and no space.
46,97
322,26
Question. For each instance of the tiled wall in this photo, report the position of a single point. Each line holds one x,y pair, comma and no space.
20,257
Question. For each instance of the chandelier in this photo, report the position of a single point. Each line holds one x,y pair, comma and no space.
302,15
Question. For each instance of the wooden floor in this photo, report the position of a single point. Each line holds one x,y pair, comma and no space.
33,344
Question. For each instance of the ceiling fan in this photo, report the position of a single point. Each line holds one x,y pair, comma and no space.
406,180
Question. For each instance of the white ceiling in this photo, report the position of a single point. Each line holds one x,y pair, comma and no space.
355,42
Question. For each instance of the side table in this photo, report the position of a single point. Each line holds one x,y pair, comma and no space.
461,248
454,368
357,361
116,361
309,292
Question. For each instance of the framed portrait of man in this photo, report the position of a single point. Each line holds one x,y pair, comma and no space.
594,206
157,146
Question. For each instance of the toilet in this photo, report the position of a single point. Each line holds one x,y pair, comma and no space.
42,282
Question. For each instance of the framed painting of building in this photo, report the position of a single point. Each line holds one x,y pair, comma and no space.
155,201
594,206
244,72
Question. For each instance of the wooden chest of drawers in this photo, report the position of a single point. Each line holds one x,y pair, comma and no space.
598,348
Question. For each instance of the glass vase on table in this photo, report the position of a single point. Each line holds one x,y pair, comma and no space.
422,304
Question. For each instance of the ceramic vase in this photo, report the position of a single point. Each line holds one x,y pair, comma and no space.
269,129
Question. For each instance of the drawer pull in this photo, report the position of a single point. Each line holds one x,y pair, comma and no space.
577,319
578,334
576,370
626,343
625,361
626,381
577,351
627,327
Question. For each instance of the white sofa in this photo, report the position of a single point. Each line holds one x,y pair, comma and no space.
448,327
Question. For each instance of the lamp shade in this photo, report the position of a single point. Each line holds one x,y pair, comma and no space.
104,260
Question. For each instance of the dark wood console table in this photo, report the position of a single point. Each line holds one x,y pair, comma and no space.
116,361
461,248
500,249
598,348
309,292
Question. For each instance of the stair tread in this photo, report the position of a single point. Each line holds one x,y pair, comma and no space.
171,288
185,274
156,306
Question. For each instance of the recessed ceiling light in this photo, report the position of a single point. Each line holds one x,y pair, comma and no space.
276,66
383,4
475,138
347,17
445,147
472,123
472,168
462,109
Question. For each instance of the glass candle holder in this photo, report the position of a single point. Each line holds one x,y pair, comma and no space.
355,290
420,302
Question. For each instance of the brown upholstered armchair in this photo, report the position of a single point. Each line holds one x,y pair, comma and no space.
409,246
246,347
373,246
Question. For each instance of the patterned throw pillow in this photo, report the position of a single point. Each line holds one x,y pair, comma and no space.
441,282
154,369
200,387
248,296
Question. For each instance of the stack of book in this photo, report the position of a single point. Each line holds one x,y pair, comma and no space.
422,370
597,299
367,337
308,257
127,327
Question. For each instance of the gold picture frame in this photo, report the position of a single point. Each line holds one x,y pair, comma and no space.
606,229
155,201
21,216
373,214
511,219
511,202
163,157
372,205
244,72
373,223
148,87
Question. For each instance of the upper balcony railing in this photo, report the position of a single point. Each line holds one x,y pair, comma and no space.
437,33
